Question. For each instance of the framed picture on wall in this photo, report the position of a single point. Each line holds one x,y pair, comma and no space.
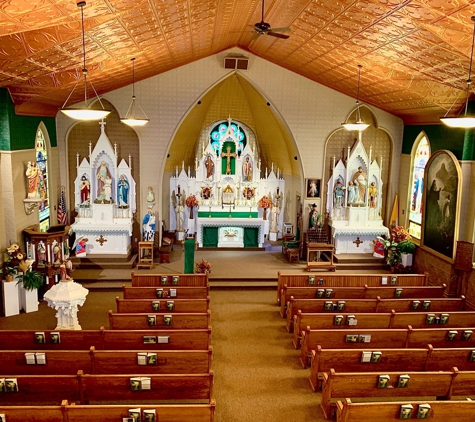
312,188
440,213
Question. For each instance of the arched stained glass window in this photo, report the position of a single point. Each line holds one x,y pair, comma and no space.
218,134
421,154
42,164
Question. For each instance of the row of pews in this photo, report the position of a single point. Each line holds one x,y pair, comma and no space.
153,363
370,340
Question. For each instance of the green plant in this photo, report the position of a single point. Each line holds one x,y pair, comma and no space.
406,246
32,280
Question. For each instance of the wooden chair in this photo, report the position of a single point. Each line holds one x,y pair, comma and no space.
292,246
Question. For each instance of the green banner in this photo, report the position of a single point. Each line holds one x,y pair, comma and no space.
189,247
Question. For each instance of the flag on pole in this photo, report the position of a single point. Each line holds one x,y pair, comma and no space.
62,208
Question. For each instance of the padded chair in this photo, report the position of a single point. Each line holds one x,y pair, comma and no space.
291,242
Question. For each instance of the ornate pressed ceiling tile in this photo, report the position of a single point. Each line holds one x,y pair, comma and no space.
415,53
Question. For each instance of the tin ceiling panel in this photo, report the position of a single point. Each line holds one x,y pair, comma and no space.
415,53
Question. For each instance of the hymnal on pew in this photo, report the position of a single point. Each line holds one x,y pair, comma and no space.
149,415
175,280
405,411
167,320
55,337
163,339
351,320
403,380
423,411
144,358
140,383
149,339
451,335
172,292
170,305
159,292
338,320
398,293
383,381
40,337
164,279
134,415
467,334
320,293
35,358
444,318
156,305
366,357
430,319
152,320
328,293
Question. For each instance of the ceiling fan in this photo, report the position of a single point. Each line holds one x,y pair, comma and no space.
264,28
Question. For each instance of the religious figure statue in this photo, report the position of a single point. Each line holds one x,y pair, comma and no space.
150,195
361,182
101,175
247,170
228,154
123,192
33,175
351,193
80,246
106,194
179,216
275,217
148,227
85,188
373,193
41,259
312,191
314,220
338,192
209,164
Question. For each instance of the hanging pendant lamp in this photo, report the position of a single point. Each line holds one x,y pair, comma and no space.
84,113
464,121
131,117
359,124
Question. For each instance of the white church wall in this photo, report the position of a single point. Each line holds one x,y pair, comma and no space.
310,110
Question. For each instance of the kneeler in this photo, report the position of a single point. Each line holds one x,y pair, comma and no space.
189,247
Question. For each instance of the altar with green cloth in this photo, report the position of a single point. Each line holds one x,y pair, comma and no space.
224,232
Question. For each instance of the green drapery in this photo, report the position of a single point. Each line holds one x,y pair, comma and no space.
251,237
189,247
224,214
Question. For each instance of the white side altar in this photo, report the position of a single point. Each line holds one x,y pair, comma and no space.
231,230
105,199
354,201
227,186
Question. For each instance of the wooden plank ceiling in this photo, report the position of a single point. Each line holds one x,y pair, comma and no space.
415,53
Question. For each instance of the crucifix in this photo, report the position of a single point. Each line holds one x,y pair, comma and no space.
228,156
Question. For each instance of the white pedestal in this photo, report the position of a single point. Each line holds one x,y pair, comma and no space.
28,299
406,259
11,299
191,226
180,235
273,236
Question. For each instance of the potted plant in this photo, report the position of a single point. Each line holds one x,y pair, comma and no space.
406,248
30,282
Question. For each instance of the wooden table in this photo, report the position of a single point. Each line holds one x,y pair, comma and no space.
316,249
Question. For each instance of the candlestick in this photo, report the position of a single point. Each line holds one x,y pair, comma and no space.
178,188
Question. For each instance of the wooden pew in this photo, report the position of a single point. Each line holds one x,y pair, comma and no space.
326,280
180,339
110,388
350,384
69,362
441,411
108,413
379,320
395,338
170,280
161,305
182,292
372,305
134,321
365,292
417,359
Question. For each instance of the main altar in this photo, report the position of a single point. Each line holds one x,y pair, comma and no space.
354,199
105,200
226,201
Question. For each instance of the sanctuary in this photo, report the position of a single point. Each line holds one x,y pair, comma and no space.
226,202
354,201
105,200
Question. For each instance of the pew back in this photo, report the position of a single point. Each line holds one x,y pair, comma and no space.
170,280
167,320
347,280
182,292
162,305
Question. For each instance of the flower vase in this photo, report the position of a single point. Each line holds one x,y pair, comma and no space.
406,259
191,213
9,278
28,299
264,217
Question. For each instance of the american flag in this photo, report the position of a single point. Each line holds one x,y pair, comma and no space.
62,208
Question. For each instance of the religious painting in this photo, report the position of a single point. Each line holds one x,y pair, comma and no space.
313,188
440,203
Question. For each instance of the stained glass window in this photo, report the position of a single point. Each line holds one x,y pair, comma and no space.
420,158
42,164
218,133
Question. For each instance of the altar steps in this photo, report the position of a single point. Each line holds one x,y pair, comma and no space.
359,262
91,262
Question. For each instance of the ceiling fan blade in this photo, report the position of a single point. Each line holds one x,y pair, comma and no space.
276,34
280,29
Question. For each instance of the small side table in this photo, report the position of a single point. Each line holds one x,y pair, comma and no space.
293,254
145,255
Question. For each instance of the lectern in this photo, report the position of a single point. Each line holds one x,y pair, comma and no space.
315,258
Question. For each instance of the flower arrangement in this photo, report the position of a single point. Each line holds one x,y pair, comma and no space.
248,193
191,201
264,202
400,242
14,256
203,267
206,192
399,233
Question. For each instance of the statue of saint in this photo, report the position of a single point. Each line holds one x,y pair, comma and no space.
209,164
150,195
228,154
33,175
351,193
101,175
179,216
275,217
373,193
148,227
123,191
361,182
338,192
247,170
85,188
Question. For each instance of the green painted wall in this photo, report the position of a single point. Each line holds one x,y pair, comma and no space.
19,132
